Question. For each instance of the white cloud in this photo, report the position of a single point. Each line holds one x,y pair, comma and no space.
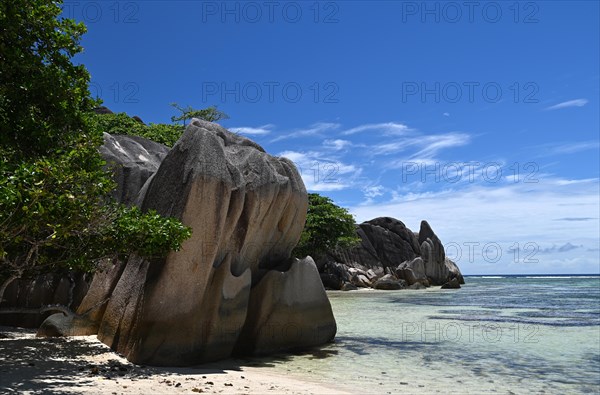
433,144
446,114
337,144
567,104
419,150
388,128
255,131
520,221
569,147
373,191
322,173
314,129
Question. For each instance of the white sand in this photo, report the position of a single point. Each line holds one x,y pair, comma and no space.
85,365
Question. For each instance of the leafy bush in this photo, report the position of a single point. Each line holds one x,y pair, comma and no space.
121,123
327,227
55,213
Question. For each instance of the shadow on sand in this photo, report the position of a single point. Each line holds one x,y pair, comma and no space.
49,365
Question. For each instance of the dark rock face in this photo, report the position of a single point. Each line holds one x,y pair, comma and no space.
233,280
24,298
135,117
66,324
389,282
452,284
385,242
288,311
388,248
133,160
102,110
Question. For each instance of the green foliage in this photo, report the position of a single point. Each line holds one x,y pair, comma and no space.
327,227
210,114
163,133
49,204
55,213
121,123
147,234
42,94
55,210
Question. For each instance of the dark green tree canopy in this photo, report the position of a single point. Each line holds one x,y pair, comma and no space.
328,226
55,210
42,93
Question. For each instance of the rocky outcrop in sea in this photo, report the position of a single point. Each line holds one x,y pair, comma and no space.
390,256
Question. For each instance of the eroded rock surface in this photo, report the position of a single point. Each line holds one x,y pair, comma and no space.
233,278
287,310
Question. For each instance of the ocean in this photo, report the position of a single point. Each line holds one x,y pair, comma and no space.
498,334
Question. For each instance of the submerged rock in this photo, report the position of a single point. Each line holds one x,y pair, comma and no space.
452,284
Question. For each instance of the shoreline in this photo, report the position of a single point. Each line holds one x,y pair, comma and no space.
83,364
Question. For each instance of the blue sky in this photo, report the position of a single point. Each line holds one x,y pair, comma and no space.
482,118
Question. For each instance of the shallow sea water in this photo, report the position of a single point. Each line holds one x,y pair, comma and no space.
505,335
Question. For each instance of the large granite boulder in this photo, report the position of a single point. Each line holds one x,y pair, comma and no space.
233,278
413,271
388,247
289,311
132,160
438,269
389,282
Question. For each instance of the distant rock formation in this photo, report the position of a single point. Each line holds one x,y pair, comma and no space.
233,286
388,252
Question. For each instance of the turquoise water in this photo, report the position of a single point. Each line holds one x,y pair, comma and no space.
521,335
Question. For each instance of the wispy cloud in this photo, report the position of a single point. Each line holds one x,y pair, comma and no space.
568,147
321,172
563,248
314,129
255,131
516,221
576,219
433,144
567,104
388,128
370,192
337,144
